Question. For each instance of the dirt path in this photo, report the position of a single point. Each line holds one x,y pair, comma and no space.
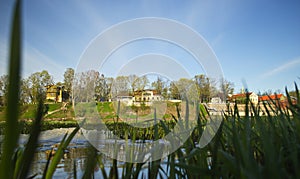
63,108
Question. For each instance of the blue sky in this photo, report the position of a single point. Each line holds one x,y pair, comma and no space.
255,41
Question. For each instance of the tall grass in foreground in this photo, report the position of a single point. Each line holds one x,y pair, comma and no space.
252,146
15,161
11,136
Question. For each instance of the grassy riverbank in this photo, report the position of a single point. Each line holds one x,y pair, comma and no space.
57,116
59,119
25,126
28,112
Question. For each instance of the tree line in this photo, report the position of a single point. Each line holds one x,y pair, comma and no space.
35,85
92,85
104,88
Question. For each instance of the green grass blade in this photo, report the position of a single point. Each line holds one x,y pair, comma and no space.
74,170
297,94
11,131
165,128
138,170
59,153
47,164
215,149
156,136
17,160
101,166
56,159
91,163
113,173
28,154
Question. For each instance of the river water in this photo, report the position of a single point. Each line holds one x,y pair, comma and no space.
74,154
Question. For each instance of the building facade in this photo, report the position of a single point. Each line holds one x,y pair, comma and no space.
56,93
146,97
241,98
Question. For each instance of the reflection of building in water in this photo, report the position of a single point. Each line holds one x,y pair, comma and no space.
71,154
77,155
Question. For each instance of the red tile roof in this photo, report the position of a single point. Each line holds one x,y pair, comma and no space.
270,97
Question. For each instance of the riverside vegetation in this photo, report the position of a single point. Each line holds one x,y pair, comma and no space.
244,147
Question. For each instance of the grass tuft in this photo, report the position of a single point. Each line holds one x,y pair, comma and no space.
12,111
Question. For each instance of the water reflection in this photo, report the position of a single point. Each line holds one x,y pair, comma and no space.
75,154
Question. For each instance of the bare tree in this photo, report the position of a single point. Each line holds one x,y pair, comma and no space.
174,92
161,86
132,82
158,85
187,89
84,86
120,85
227,87
141,82
68,80
204,87
25,92
103,88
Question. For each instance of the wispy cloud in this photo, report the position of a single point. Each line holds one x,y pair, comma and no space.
282,68
34,61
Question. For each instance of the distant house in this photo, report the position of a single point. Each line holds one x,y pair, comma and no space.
146,96
278,99
56,93
273,97
139,97
241,98
216,100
